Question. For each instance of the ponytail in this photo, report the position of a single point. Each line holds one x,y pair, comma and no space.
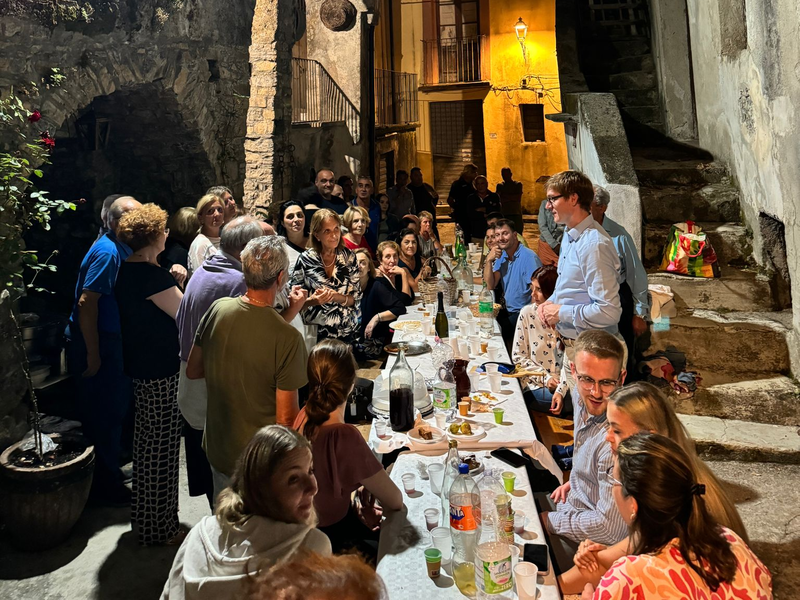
331,374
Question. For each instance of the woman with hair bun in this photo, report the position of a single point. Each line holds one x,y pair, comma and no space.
344,462
262,519
678,550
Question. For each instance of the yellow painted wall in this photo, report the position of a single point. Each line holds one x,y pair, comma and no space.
506,68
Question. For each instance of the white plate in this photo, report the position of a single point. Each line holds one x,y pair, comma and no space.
438,436
406,325
477,433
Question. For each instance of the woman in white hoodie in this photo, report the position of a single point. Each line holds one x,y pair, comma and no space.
263,518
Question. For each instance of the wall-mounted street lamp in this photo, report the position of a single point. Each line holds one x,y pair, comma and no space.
521,29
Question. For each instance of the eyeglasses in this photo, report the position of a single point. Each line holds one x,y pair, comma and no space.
552,199
610,477
606,385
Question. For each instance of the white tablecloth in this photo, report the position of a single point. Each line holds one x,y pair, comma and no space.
404,537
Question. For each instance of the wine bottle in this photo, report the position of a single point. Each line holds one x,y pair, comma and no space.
442,327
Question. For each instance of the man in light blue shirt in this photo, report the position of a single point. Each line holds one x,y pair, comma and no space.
514,264
587,290
632,277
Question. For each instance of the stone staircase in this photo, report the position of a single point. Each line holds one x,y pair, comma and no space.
730,328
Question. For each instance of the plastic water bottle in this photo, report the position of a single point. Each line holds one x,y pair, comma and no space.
451,463
444,388
486,311
464,515
493,577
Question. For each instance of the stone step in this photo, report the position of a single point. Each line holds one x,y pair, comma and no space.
635,80
736,342
674,203
729,240
727,439
653,171
643,114
636,97
626,64
759,397
737,290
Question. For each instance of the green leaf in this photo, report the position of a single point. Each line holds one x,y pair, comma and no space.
38,172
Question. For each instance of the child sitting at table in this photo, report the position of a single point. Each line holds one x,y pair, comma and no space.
343,461
535,348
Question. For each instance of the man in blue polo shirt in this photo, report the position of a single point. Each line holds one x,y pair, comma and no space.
95,352
514,264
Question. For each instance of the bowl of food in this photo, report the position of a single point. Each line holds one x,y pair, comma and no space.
426,435
465,431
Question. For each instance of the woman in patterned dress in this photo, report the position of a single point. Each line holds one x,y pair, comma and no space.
678,550
148,299
329,272
535,347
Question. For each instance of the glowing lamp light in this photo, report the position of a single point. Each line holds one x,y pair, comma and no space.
521,29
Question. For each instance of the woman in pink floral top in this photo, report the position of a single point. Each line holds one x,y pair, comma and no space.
680,552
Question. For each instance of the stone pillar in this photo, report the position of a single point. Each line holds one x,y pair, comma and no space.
13,379
269,115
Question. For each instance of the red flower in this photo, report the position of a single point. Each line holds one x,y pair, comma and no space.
34,116
48,141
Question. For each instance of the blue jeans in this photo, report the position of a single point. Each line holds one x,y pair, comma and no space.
104,400
540,399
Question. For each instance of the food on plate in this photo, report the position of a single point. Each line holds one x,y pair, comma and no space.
425,433
480,407
466,429
470,460
455,428
410,325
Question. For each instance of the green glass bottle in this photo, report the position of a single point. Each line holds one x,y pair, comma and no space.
442,327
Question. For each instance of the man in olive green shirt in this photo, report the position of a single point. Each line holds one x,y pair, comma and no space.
253,361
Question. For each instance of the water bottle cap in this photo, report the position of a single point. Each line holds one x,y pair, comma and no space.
463,469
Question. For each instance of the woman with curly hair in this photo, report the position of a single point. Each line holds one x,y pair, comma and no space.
148,300
344,462
263,518
678,549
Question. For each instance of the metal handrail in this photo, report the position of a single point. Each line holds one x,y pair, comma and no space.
453,60
317,99
396,98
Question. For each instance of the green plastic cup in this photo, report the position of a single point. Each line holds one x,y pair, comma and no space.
498,415
508,481
433,560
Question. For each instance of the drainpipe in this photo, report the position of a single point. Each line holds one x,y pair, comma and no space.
370,104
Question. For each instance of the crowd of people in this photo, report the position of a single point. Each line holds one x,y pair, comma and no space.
242,337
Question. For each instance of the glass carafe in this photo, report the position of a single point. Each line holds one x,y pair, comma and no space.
401,393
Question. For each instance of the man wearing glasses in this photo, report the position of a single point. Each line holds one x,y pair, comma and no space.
587,290
584,507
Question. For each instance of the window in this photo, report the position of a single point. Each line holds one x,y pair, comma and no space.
532,116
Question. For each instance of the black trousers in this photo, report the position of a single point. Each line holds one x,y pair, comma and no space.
508,325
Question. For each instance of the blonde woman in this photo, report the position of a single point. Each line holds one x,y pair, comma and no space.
637,408
329,273
356,220
263,518
210,214
428,242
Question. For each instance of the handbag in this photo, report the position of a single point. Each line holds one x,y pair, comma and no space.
689,252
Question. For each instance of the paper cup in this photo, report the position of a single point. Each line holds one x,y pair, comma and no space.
440,537
474,345
441,420
525,577
436,476
491,369
493,352
495,381
475,381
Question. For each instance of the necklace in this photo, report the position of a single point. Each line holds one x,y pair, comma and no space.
327,266
254,302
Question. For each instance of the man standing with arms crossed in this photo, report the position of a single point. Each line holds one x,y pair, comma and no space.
587,290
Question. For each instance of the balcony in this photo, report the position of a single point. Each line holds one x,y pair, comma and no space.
448,62
318,100
395,98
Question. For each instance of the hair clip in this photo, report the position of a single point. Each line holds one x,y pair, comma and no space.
698,489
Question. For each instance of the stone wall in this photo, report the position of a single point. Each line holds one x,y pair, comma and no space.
13,380
747,84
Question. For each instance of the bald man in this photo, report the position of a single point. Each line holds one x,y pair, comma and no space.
95,351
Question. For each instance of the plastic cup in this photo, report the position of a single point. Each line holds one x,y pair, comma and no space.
463,408
475,381
473,327
492,351
498,415
472,247
433,559
463,348
436,476
409,483
491,369
441,420
440,537
519,522
465,295
525,577
454,344
427,326
508,480
514,556
484,347
474,345
431,518
380,428
495,381
463,328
